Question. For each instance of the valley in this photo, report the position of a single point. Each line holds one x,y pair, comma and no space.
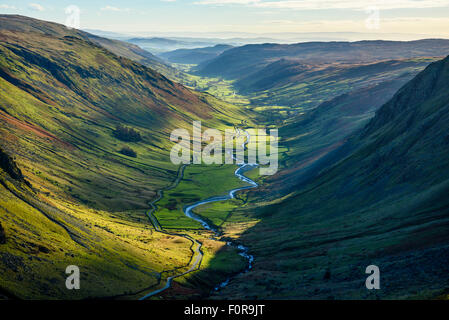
86,177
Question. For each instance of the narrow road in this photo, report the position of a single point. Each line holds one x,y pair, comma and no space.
188,211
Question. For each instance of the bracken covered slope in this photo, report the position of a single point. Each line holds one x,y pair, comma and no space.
68,195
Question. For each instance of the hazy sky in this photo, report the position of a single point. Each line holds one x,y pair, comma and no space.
429,17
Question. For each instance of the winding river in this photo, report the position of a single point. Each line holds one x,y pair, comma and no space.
188,211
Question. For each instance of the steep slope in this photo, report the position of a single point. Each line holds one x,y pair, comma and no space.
128,50
195,56
42,235
304,86
83,202
309,137
381,199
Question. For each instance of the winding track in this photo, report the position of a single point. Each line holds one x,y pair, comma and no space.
188,211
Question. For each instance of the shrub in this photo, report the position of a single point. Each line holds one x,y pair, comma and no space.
127,134
127,151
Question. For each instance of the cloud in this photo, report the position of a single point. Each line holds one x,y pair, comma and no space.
407,28
115,9
333,4
353,4
168,0
7,6
223,2
36,6
283,22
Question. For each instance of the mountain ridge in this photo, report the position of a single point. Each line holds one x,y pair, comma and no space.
255,55
120,48
195,56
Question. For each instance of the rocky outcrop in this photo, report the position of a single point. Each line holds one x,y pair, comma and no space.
9,166
2,235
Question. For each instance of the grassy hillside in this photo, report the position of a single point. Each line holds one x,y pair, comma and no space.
83,202
382,203
124,49
117,252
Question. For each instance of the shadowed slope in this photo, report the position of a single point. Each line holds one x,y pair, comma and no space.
384,203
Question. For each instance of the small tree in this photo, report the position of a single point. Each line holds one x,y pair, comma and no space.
127,134
127,151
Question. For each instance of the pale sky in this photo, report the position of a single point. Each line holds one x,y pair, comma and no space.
427,17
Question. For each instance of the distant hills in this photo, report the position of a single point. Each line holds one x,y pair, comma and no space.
252,58
158,45
295,75
242,38
195,56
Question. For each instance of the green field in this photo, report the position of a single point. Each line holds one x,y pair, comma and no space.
199,183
